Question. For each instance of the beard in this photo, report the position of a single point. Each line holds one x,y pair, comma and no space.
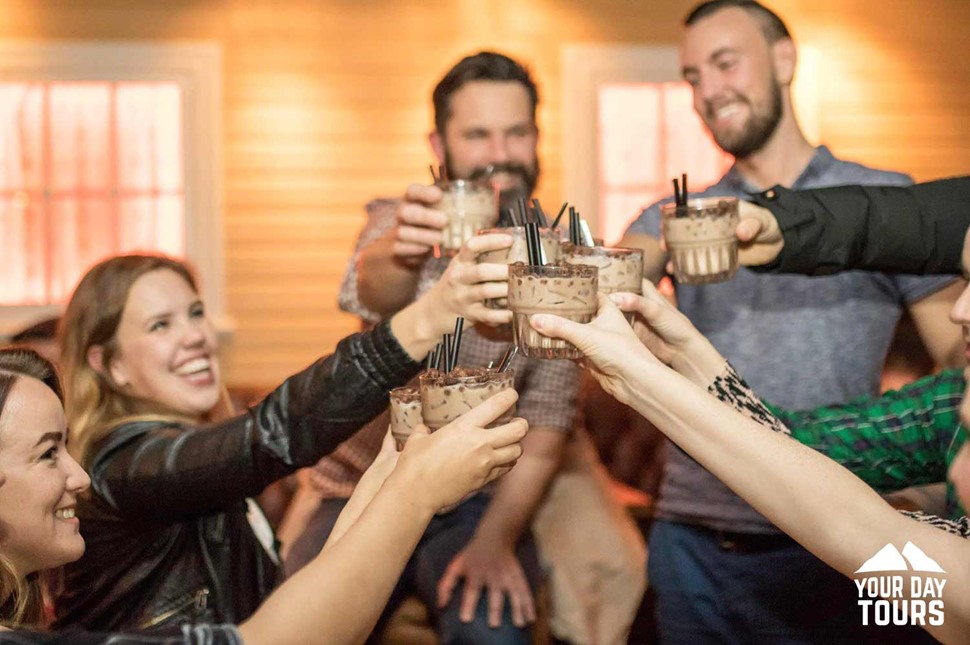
509,197
756,132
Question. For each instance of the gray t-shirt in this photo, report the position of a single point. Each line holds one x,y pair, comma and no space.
800,342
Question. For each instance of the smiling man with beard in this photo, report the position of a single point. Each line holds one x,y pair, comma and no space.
722,573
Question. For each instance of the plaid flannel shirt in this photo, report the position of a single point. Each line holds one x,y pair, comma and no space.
906,437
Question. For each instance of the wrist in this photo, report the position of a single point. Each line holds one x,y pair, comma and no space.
415,328
411,494
700,362
493,538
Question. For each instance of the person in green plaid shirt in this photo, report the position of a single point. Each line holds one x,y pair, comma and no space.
906,437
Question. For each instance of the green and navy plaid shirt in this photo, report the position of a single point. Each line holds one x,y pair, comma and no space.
906,437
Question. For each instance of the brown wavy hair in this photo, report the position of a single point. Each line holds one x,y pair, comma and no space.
94,403
21,597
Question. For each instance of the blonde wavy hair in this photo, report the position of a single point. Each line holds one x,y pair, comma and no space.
95,404
22,597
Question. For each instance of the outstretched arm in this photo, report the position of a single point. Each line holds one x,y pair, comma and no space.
908,229
337,597
820,504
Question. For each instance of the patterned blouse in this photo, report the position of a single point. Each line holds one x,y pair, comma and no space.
864,425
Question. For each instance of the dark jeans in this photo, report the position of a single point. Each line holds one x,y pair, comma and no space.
447,534
713,590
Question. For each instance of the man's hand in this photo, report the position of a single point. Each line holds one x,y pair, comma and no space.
761,239
418,225
496,569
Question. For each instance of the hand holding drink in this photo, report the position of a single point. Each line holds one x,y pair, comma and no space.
518,252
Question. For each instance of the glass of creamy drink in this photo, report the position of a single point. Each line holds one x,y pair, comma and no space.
701,239
445,396
470,207
619,269
405,413
568,290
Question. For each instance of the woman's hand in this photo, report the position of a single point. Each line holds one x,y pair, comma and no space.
612,350
670,336
380,469
461,291
443,468
465,284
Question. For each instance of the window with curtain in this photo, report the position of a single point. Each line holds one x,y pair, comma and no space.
87,170
648,133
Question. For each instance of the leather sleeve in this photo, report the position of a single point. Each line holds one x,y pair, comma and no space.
187,635
164,471
915,229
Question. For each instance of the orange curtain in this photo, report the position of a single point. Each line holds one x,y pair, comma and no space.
87,170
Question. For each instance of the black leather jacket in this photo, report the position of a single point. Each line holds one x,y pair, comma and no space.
166,528
187,635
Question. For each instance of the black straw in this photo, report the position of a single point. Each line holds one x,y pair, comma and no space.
562,210
533,245
573,237
683,188
456,342
446,344
432,358
513,217
676,183
540,214
523,211
433,175
436,357
506,361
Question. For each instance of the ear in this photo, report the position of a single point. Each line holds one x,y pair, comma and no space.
113,372
785,58
437,143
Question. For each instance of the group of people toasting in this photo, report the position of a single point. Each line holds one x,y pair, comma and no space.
127,479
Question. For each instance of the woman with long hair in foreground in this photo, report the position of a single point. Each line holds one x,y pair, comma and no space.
335,599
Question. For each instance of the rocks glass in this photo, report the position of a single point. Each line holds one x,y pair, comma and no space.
405,413
702,240
568,290
445,396
619,269
470,207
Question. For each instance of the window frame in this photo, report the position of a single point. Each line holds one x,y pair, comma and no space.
197,69
585,67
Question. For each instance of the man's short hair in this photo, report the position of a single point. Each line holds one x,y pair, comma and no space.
772,25
483,66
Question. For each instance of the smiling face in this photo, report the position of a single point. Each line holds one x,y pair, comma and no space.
491,123
38,529
731,67
166,358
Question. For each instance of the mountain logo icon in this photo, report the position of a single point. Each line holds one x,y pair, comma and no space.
912,558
